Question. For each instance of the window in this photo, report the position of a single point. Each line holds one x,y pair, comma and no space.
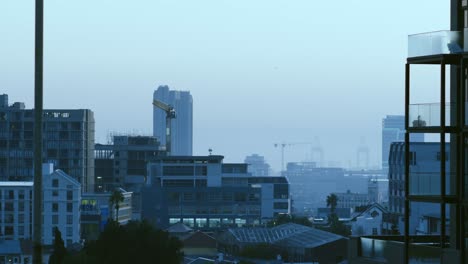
20,206
11,194
55,207
55,219
69,231
21,218
374,231
55,193
439,156
69,219
69,195
21,194
69,207
55,183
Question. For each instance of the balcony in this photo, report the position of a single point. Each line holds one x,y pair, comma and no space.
434,43
389,249
428,115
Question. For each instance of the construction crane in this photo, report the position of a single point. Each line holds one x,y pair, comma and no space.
283,145
170,114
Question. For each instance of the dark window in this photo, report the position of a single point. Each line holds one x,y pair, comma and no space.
55,207
69,195
280,205
69,207
55,183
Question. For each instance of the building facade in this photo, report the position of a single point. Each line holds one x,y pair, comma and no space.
123,162
393,130
204,192
68,142
257,165
311,185
62,195
61,206
182,125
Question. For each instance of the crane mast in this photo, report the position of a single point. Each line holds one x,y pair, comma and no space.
170,114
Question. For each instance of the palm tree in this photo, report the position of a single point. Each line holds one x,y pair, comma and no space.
332,200
115,199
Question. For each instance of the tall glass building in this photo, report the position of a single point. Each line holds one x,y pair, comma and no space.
182,125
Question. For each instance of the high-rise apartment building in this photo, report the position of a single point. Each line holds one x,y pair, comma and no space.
68,142
182,125
393,130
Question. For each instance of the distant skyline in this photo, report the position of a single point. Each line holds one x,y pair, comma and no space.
260,72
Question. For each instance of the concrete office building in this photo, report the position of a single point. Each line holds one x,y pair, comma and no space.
205,193
123,162
182,125
393,130
62,195
68,142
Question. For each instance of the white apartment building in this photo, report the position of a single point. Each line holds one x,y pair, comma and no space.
62,195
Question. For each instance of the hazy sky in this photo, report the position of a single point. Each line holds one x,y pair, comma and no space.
260,71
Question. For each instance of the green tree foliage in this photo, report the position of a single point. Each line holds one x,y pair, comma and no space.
261,251
285,218
60,251
332,201
136,242
115,199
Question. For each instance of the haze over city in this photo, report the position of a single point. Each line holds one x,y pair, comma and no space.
260,72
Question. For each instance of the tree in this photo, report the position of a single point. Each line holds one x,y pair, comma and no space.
136,242
332,201
115,199
60,251
286,218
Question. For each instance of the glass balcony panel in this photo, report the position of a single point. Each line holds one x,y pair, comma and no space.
424,254
434,43
428,115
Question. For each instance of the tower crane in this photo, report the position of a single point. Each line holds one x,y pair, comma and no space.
283,145
170,114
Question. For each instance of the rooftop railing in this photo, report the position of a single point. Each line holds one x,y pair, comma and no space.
428,115
434,43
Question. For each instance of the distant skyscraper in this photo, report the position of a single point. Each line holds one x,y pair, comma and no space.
257,165
393,130
182,125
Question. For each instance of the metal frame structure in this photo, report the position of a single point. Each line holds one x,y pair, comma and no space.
458,132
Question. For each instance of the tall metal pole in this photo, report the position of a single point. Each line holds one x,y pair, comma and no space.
38,72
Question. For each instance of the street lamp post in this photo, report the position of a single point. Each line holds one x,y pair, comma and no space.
38,73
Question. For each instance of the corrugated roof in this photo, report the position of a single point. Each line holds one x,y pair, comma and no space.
290,234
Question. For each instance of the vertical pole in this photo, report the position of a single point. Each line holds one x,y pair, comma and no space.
38,107
442,155
407,157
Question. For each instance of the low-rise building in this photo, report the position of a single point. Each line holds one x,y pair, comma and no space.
205,193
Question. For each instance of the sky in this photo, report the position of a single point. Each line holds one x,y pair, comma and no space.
260,72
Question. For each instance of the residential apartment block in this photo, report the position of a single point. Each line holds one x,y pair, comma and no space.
62,195
68,137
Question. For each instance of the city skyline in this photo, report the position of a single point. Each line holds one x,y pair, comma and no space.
272,56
